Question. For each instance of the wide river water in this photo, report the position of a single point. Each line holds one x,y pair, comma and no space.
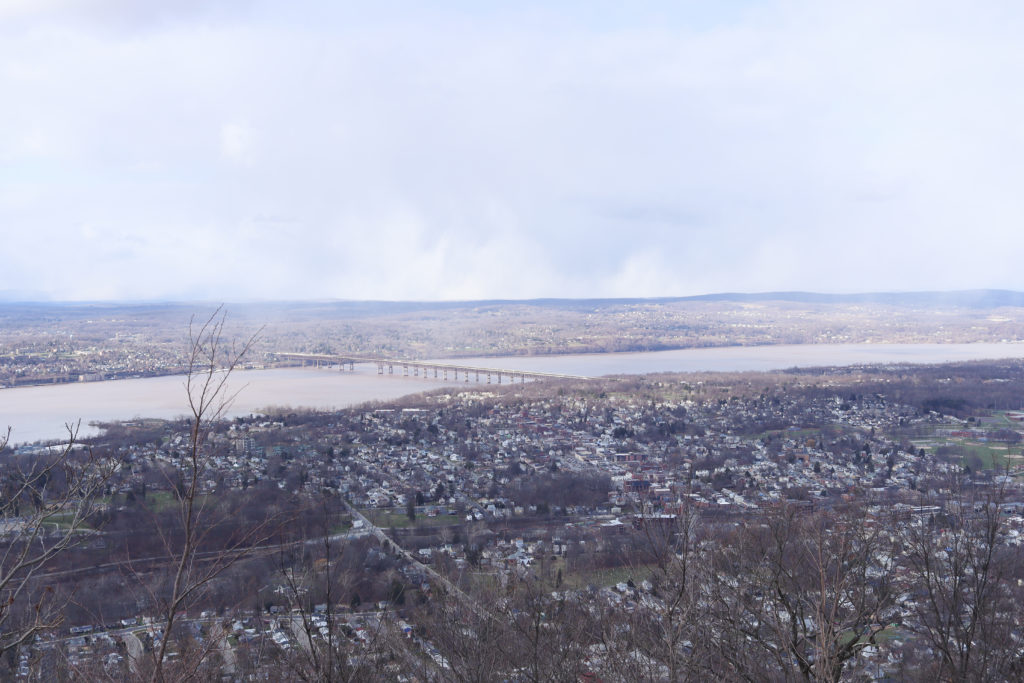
41,412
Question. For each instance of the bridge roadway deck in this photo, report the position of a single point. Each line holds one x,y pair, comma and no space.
456,367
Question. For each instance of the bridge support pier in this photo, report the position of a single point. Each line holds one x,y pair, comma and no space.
440,370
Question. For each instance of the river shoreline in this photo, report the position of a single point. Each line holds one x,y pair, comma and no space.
40,412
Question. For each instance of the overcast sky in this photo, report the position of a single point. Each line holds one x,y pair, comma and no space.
231,150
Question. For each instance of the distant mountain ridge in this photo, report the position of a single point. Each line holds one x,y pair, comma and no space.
970,299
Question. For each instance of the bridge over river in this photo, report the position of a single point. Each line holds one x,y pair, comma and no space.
428,369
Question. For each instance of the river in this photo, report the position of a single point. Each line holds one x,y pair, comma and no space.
41,412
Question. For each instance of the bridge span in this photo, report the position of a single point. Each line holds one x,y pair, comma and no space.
428,369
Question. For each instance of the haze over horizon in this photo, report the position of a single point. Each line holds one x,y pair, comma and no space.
251,150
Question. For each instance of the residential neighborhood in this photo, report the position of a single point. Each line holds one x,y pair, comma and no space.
565,484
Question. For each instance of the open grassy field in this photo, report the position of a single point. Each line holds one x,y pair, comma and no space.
605,576
975,451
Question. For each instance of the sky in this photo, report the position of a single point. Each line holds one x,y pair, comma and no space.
234,150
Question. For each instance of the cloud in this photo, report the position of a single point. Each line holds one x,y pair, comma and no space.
236,143
412,150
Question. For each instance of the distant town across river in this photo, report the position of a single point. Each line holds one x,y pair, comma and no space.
40,412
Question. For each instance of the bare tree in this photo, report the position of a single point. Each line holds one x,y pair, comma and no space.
467,637
806,592
547,634
211,362
661,631
46,505
967,588
316,573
